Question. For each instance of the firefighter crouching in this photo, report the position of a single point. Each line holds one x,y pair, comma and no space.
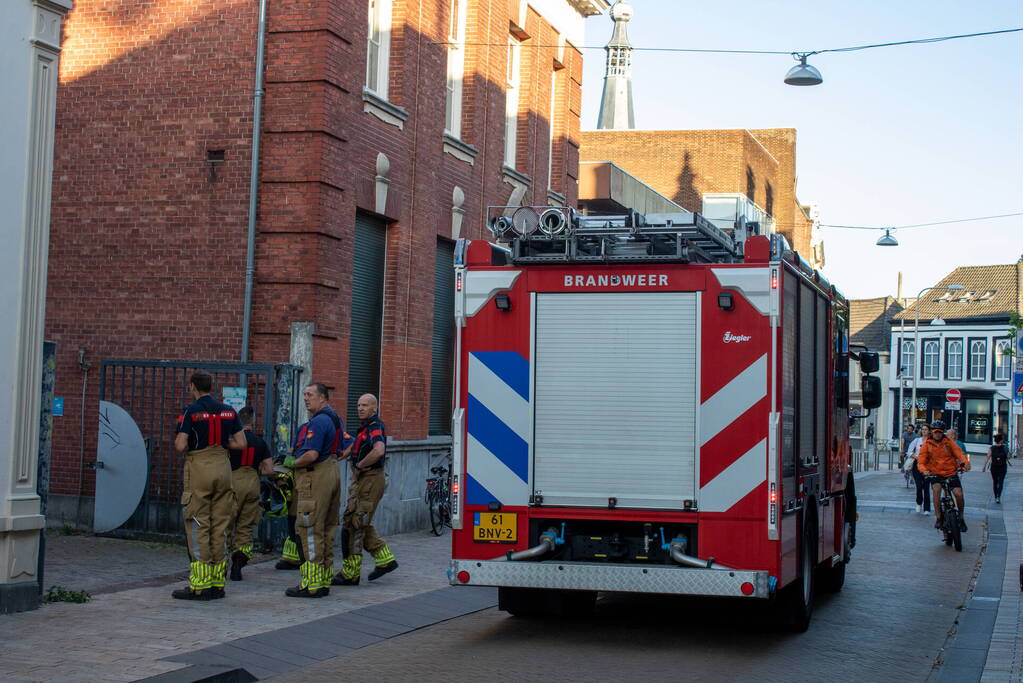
365,491
246,467
317,497
205,431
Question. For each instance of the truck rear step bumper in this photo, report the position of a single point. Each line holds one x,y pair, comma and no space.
624,578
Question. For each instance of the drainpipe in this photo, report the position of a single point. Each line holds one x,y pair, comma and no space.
257,118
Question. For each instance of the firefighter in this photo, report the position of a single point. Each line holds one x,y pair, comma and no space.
317,492
245,482
367,487
205,431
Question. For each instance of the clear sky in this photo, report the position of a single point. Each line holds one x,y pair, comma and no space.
894,136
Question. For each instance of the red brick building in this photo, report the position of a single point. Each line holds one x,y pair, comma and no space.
381,142
687,165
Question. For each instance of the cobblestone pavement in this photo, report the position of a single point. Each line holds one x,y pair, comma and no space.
904,592
897,619
124,635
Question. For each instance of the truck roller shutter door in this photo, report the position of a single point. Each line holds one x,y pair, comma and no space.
615,399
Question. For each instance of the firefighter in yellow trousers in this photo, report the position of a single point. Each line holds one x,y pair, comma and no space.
246,467
364,494
317,497
205,431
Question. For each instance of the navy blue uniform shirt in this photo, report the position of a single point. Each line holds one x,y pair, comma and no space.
255,452
371,432
208,422
321,435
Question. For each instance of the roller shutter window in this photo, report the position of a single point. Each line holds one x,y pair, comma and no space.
443,344
790,334
367,312
821,385
806,381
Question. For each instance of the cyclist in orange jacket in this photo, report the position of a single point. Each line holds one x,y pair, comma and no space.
941,458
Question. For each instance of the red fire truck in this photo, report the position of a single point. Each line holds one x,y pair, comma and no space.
649,404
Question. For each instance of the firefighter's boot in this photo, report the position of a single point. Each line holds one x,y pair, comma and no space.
238,560
187,593
351,569
385,563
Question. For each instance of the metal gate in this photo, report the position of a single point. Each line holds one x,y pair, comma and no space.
138,473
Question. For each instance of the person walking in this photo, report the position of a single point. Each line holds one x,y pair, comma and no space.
998,458
954,436
923,498
247,465
364,494
205,431
317,492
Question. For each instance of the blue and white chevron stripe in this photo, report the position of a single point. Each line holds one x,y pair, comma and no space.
498,426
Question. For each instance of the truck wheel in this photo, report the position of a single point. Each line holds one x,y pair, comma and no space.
796,606
833,578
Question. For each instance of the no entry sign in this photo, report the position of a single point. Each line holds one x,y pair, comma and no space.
952,396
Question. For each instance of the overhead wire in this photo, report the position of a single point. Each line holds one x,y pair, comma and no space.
921,225
804,53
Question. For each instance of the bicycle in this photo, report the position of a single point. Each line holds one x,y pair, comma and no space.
951,516
438,498
907,475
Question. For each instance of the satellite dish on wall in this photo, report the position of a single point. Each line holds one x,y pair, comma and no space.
122,467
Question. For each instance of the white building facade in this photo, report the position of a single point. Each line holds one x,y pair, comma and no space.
963,342
30,35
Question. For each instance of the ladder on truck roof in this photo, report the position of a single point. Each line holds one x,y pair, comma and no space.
557,234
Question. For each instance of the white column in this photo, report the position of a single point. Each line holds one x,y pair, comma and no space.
30,32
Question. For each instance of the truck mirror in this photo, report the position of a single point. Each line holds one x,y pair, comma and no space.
870,388
869,362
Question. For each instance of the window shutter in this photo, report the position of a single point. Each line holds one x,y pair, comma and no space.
367,312
442,369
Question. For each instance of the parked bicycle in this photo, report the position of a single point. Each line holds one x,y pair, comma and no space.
951,516
438,498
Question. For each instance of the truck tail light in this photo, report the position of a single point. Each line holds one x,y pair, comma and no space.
462,576
746,588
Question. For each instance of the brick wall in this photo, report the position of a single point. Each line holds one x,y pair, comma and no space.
148,252
685,164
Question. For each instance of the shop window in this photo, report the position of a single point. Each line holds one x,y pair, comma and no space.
978,420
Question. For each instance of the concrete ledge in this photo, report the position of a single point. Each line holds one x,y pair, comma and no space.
19,597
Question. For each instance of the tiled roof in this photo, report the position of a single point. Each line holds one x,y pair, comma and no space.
868,321
989,292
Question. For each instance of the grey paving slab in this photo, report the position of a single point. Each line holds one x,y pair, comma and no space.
299,642
253,661
283,654
374,627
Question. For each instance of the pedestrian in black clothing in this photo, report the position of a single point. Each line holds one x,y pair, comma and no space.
998,456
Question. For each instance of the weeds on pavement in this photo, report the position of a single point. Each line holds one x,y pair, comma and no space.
61,594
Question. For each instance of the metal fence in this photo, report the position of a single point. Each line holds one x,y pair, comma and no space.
155,393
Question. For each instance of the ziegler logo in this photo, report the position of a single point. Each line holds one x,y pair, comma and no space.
651,280
737,338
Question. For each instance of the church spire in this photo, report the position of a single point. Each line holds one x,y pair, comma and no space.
616,101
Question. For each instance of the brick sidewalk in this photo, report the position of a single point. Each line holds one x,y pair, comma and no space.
126,635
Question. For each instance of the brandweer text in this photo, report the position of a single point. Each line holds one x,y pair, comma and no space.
652,280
